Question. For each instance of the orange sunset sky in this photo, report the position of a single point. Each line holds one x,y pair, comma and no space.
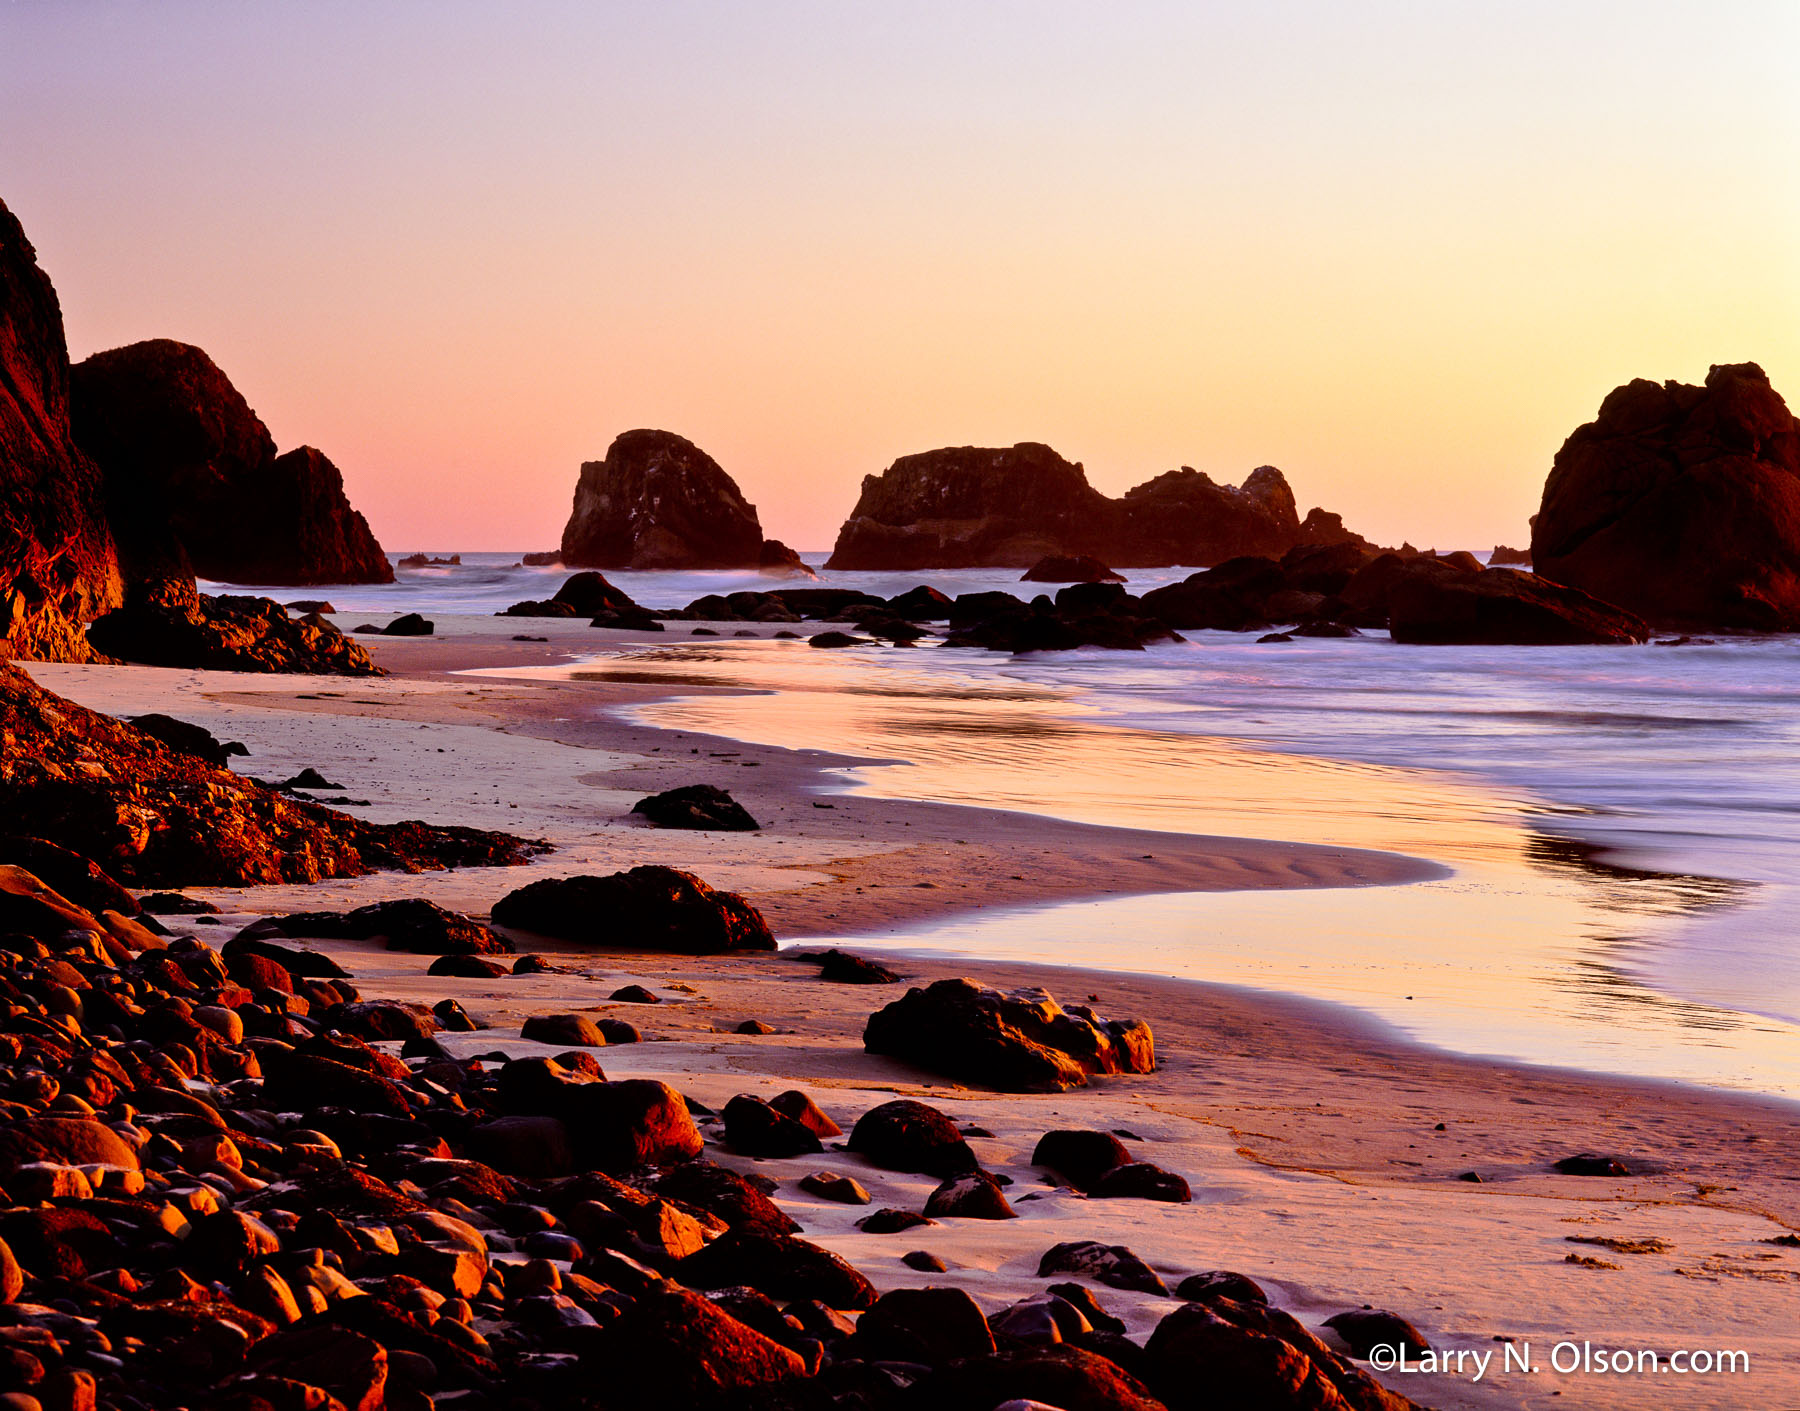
1398,250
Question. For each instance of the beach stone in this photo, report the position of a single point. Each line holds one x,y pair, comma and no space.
842,968
59,1241
757,1129
781,1266
931,1326
828,1185
726,1194
698,807
1080,1157
1110,1264
924,1261
1143,1181
618,1031
1019,1042
64,1141
797,1105
351,1367
754,1027
673,1348
576,1029
1081,1298
534,1147
384,1020
1220,1283
1588,1164
1364,1329
634,994
649,908
973,1196
410,624
297,1082
618,1126
70,875
1041,1319
892,1221
1060,1376
467,967
904,1135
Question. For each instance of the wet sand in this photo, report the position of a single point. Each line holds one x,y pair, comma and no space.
1310,1135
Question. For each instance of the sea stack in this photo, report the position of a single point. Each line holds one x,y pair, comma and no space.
1681,504
193,482
659,501
1011,507
58,566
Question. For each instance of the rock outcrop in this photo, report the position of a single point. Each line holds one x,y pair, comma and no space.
1019,1042
156,817
166,623
58,565
659,501
983,507
1436,603
1681,504
194,484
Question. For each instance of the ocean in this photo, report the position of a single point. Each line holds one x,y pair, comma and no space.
1619,824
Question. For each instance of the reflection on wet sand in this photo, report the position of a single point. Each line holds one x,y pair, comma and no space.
1527,951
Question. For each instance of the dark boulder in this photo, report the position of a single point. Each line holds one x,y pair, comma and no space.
974,1195
1502,606
1503,557
701,807
1143,1181
1081,1157
624,1125
724,1193
589,594
1111,1264
647,908
189,739
194,484
1587,1164
410,924
842,968
781,1266
1220,1283
754,1128
777,558
168,624
931,1326
1365,1329
1066,1378
1043,627
1065,568
904,1135
659,501
1681,504
409,624
1231,597
674,1348
797,1105
80,880
1022,1042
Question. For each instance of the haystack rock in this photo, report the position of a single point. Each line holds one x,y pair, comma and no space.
1681,504
194,484
58,566
659,501
976,507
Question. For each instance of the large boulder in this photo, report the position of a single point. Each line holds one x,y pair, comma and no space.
647,908
1018,1042
1017,506
1681,504
151,816
1438,603
659,501
58,564
674,1348
194,482
167,623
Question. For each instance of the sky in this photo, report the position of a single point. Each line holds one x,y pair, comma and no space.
1400,250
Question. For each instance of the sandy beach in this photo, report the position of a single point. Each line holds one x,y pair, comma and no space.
1325,1152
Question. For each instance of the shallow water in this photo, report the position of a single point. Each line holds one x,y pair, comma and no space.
1621,823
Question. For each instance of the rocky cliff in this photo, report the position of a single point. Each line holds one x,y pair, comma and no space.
1681,504
970,507
659,501
58,566
193,482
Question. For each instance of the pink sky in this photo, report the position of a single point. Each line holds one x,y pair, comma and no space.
1399,250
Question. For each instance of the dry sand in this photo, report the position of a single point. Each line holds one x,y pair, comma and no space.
1310,1136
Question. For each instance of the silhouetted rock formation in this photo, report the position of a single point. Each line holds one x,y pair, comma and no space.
58,566
975,507
1436,603
777,558
1503,557
155,817
659,501
193,481
167,623
1681,504
1067,568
